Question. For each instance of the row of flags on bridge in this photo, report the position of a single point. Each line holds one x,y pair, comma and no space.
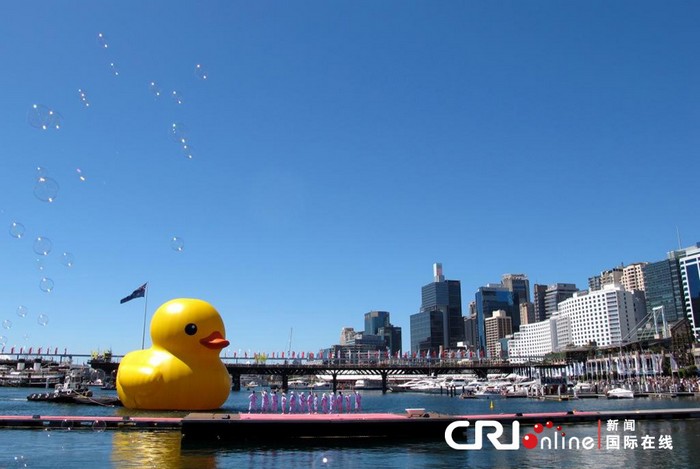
349,354
30,350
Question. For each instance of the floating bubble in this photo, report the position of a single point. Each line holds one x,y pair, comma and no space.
102,40
46,189
176,97
22,311
42,319
179,132
40,264
81,176
187,151
3,340
20,461
16,230
99,425
42,118
154,89
83,98
26,336
67,425
41,171
67,259
7,324
177,244
46,284
200,73
42,245
113,68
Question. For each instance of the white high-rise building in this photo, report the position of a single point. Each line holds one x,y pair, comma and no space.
533,342
605,316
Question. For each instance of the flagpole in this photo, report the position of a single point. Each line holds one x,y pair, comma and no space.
145,310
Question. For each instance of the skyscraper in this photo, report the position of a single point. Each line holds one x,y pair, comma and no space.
443,297
663,286
494,297
374,320
538,300
519,285
555,294
690,276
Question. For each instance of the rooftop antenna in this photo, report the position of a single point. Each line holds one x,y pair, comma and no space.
678,235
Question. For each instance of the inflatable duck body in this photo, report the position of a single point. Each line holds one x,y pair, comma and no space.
182,370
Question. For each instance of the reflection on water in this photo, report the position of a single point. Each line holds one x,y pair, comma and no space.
156,449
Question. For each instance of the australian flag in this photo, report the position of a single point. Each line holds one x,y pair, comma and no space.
140,292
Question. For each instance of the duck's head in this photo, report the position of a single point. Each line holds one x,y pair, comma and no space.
188,327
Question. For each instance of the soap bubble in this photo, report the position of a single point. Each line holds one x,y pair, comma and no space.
200,72
16,230
67,425
22,311
40,264
3,340
102,40
114,69
177,98
154,89
187,151
178,132
41,171
42,319
7,324
46,285
42,118
42,245
80,174
177,244
46,189
67,259
99,425
83,97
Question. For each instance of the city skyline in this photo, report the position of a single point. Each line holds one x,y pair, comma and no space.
298,165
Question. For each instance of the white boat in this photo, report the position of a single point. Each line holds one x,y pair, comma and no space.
368,384
620,393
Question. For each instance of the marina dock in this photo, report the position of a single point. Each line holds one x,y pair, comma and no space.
232,428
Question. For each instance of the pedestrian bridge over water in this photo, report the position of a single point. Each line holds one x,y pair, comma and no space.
392,367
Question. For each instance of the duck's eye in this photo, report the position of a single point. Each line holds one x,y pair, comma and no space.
191,329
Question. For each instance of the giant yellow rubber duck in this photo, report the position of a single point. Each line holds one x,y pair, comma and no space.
182,370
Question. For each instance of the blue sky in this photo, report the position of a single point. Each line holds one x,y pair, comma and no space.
338,149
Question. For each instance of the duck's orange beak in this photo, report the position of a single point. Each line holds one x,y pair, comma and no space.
214,341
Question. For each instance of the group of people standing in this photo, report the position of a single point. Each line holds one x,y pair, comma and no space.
301,403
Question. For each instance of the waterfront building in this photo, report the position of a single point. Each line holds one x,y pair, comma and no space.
605,316
490,298
533,341
497,327
690,276
441,307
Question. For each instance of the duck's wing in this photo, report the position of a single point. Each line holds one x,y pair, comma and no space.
139,370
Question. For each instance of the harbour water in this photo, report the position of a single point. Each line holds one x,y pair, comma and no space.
675,442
